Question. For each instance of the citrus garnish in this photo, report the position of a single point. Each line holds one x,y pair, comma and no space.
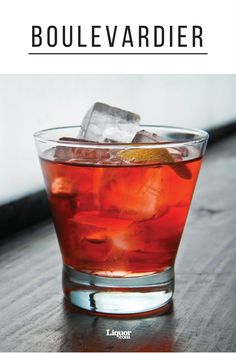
157,155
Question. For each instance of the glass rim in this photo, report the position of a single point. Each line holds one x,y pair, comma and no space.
201,136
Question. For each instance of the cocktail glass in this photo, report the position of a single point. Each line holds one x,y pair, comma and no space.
119,212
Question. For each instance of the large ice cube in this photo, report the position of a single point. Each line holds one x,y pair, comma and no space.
80,154
103,123
144,198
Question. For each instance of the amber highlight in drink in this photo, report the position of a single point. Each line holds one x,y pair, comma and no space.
119,220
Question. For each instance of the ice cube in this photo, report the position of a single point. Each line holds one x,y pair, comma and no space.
104,122
63,187
127,240
123,134
80,154
176,153
180,168
144,136
143,200
65,152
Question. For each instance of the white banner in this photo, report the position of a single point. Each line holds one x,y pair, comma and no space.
125,36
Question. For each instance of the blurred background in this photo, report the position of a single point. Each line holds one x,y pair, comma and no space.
33,102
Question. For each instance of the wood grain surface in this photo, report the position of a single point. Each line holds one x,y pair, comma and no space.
35,317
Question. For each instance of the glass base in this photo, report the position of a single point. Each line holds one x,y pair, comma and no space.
119,295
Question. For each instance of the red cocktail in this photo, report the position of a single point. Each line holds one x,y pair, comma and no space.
119,220
119,213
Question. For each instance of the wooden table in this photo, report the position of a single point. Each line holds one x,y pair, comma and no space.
34,316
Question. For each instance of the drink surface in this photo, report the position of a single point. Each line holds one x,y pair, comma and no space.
119,220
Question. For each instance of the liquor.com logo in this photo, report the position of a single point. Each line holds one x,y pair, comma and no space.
125,335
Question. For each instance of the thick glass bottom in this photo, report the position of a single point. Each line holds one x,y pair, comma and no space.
119,295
